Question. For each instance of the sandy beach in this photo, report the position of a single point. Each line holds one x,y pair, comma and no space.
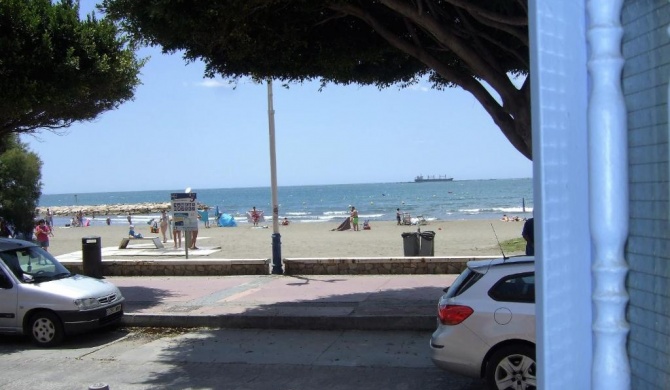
452,238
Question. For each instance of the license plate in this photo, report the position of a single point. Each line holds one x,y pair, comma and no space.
114,309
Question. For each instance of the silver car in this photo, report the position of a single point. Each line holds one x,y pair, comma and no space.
486,324
41,298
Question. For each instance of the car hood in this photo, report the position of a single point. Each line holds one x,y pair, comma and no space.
75,287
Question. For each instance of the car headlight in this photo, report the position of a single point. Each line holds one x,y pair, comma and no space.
87,303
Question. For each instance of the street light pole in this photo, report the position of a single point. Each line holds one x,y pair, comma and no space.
276,237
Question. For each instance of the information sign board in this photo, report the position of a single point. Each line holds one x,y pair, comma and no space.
184,211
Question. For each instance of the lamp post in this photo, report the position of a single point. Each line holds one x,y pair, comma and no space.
276,237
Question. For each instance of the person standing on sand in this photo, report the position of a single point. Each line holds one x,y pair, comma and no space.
194,235
354,218
50,218
398,216
164,221
42,233
255,216
176,235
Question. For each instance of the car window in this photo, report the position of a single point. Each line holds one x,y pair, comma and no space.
33,264
464,281
12,261
515,288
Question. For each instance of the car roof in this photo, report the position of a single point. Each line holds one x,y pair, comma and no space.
483,266
7,244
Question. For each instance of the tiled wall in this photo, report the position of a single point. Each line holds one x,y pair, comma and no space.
646,47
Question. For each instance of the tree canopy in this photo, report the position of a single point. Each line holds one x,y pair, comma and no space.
57,69
478,45
20,180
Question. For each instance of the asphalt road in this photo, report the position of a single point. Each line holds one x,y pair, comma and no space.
150,358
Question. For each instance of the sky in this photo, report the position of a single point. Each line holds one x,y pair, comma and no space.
184,130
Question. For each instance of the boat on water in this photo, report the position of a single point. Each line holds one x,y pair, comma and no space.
429,178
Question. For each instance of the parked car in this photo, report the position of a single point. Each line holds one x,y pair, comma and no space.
39,297
486,324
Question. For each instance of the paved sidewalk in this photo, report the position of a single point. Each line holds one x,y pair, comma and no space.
325,302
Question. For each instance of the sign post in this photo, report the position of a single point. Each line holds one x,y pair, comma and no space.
185,214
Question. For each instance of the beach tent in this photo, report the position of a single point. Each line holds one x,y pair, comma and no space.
226,220
346,225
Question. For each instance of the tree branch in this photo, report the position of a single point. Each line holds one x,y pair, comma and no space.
496,17
498,80
498,113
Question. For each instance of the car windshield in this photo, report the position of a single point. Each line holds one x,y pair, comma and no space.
33,265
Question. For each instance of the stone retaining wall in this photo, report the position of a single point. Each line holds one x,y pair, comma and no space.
292,266
199,267
378,265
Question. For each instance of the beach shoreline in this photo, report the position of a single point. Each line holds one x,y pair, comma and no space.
300,240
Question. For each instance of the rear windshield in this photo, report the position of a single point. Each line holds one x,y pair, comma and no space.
464,281
33,264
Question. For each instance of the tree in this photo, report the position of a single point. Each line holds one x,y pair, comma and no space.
479,45
20,180
56,69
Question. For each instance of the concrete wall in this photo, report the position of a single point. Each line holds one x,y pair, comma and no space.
646,47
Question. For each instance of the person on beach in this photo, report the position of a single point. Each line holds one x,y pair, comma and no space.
205,216
528,234
109,221
354,218
130,220
398,216
285,222
194,235
4,229
164,221
176,236
131,233
50,218
255,216
42,233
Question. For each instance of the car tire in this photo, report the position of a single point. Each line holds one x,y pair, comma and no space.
45,329
512,367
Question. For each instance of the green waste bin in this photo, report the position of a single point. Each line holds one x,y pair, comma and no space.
427,247
91,255
410,243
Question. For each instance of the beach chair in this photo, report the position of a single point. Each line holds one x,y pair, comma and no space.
406,219
420,220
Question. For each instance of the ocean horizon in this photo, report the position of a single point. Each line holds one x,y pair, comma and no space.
454,200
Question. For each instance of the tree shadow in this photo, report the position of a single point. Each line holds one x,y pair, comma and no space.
143,297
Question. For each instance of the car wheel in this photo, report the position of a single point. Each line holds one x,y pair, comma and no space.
512,367
45,329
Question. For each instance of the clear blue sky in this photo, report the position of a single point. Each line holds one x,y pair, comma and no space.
183,130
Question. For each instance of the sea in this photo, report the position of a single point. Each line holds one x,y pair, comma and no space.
454,200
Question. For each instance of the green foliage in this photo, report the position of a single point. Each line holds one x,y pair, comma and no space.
514,245
56,69
20,175
381,43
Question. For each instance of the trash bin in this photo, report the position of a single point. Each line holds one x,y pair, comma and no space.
91,251
410,243
427,247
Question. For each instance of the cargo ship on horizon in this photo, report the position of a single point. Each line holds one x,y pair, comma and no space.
424,179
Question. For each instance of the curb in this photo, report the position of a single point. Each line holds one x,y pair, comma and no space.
413,323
